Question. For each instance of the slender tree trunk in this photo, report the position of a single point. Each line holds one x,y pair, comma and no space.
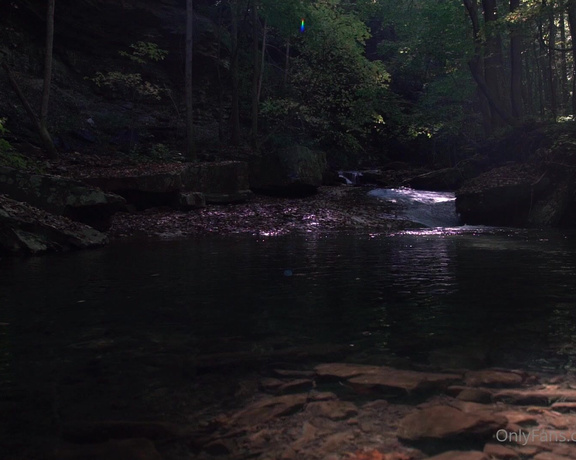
479,73
551,67
219,76
528,91
255,72
287,62
493,62
44,134
235,112
540,80
190,150
516,48
263,59
563,63
572,24
41,123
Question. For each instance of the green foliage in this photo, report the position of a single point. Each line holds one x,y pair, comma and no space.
128,84
143,52
133,85
335,92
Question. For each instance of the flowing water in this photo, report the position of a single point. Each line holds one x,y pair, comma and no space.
431,209
74,328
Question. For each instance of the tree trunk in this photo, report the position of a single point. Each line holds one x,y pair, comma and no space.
287,62
190,150
499,112
572,25
563,63
493,62
263,58
41,123
44,134
219,77
235,112
551,68
495,105
516,49
255,72
540,81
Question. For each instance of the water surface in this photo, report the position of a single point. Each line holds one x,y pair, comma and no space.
100,334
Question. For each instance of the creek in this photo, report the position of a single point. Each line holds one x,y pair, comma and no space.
104,326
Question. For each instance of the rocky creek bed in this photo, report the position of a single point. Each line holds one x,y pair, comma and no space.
332,208
337,411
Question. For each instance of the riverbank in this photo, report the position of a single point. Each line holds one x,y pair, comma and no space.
332,208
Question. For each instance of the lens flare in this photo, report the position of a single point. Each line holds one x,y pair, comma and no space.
302,25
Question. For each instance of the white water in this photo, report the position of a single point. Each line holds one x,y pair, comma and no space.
351,177
432,209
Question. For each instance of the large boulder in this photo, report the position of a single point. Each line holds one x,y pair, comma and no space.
28,230
142,186
164,185
291,171
61,196
504,196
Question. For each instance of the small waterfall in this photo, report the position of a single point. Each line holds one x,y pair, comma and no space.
432,209
351,177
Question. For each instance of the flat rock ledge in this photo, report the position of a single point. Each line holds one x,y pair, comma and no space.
25,229
331,413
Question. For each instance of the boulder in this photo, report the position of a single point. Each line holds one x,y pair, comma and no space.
518,195
143,187
171,184
61,196
292,171
28,230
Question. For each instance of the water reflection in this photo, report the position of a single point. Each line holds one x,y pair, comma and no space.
511,292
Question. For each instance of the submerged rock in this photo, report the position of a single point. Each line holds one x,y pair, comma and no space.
448,423
270,408
493,378
366,379
28,230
